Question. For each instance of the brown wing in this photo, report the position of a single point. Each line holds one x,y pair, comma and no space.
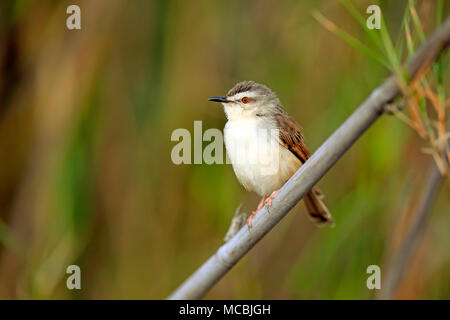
291,136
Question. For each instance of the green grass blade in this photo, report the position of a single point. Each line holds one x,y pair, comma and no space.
438,66
401,41
374,36
409,40
349,39
416,20
439,12
392,54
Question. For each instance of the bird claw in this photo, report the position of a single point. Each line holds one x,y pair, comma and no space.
270,198
264,200
250,218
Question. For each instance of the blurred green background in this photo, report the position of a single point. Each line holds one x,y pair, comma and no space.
86,175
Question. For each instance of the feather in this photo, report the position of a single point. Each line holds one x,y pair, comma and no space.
291,138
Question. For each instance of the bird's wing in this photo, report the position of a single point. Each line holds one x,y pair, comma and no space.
291,137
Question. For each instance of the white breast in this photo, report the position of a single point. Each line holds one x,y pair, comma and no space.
260,163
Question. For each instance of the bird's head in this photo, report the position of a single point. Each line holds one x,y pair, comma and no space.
248,99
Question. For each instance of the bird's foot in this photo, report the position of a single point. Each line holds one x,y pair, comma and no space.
250,218
260,206
270,198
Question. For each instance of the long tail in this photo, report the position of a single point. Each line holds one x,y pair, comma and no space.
317,210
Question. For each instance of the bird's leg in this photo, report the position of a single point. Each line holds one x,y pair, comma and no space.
260,206
270,198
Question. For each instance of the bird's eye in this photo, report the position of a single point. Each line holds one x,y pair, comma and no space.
245,100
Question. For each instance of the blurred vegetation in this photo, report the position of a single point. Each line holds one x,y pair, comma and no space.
86,118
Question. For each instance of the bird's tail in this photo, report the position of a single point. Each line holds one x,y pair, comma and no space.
317,210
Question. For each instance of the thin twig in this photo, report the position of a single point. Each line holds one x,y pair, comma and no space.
198,284
398,264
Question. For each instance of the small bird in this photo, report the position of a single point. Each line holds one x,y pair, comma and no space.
265,146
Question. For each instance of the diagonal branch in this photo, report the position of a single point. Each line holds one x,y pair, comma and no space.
398,263
404,254
199,283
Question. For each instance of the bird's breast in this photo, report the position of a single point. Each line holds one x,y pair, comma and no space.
260,162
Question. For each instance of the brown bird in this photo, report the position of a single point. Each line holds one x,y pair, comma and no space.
265,146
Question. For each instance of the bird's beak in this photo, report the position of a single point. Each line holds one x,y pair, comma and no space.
219,99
